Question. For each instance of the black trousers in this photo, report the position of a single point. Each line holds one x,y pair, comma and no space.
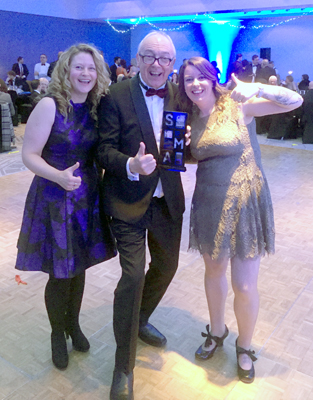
138,294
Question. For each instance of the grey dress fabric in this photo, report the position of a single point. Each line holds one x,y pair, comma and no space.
231,212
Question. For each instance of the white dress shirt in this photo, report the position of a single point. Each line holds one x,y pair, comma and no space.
42,70
155,106
254,69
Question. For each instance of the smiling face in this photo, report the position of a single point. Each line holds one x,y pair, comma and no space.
197,87
83,76
157,45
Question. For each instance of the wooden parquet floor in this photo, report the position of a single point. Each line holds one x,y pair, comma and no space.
282,340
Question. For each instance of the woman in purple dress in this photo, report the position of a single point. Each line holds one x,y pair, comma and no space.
62,233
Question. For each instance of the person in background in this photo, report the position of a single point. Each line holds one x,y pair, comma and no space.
307,116
121,69
62,233
236,66
44,84
35,96
304,84
20,68
134,69
231,217
53,64
114,67
174,77
13,82
41,69
5,97
253,69
217,70
272,80
289,83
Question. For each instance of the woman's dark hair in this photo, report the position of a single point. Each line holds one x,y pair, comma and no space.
123,63
208,71
305,77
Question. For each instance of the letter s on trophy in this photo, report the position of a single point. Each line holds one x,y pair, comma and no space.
172,144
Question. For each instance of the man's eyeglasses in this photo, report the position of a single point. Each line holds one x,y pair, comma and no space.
163,61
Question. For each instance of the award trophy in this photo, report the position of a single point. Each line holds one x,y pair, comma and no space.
172,144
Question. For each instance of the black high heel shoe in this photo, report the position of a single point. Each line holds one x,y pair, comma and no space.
202,354
245,375
79,340
59,350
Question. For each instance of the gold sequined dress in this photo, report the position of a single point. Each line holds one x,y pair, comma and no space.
231,212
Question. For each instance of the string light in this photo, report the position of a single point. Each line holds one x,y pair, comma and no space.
125,30
208,16
177,28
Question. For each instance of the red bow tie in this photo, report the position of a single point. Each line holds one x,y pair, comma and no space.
159,92
43,64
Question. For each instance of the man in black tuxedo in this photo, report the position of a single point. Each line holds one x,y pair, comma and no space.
141,197
20,68
113,69
253,69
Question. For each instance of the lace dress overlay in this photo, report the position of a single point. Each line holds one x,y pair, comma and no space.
231,212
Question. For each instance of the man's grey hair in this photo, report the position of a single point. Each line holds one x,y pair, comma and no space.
159,33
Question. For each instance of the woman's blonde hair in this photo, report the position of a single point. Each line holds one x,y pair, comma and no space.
60,85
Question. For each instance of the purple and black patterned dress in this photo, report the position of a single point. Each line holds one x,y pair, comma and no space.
62,232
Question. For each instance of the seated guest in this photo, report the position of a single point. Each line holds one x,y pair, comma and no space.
15,83
5,97
289,83
20,68
44,83
12,80
307,117
36,93
272,80
41,69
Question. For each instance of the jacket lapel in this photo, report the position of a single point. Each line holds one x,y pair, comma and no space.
169,99
143,116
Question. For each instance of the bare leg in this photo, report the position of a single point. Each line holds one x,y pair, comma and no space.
244,274
215,284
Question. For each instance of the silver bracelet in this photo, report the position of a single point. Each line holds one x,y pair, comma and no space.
261,91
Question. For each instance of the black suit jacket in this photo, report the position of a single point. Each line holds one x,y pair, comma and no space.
249,72
16,69
124,122
34,98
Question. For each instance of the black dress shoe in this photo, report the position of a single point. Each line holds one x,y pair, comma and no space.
150,335
202,354
245,375
122,386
